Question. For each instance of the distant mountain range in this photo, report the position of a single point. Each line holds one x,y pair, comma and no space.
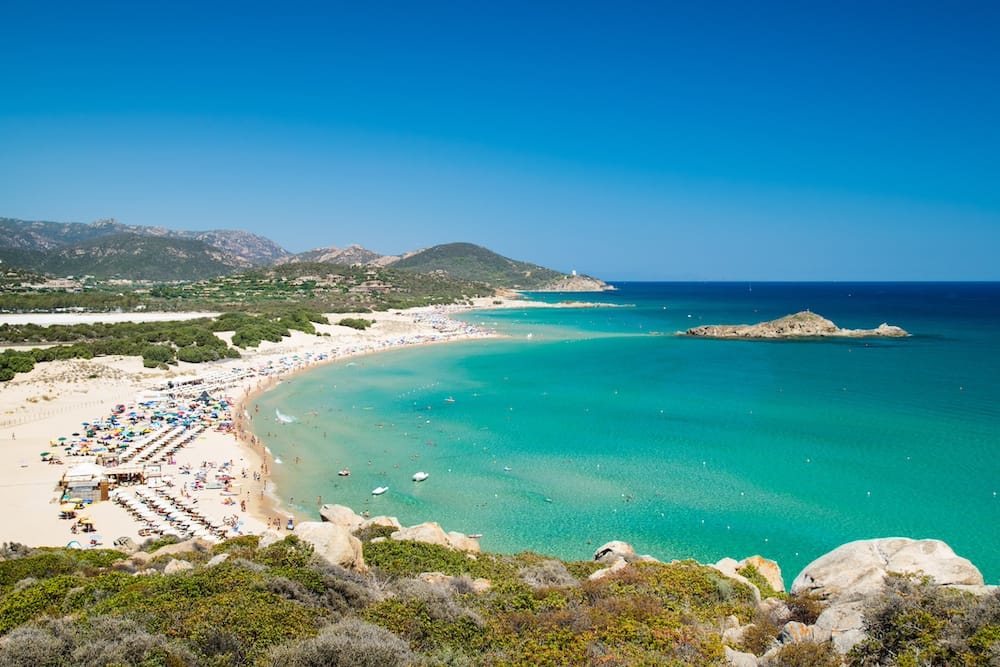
109,249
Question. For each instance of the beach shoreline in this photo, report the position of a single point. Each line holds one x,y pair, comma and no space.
41,409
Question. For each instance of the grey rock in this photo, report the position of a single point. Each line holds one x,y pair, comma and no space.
218,559
858,569
175,566
739,659
333,543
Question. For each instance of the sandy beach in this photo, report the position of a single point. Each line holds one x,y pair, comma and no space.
207,476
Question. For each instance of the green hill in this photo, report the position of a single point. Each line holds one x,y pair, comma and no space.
467,261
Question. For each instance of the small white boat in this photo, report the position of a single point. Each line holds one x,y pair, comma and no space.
344,473
420,476
450,399
379,490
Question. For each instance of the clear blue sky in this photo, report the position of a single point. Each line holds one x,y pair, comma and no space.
647,140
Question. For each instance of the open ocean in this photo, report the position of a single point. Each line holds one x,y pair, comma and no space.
585,426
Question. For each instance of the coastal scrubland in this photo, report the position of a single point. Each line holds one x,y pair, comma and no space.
236,603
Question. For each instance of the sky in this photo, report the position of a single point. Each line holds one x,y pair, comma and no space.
841,140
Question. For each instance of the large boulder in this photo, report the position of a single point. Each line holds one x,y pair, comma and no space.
432,533
340,515
610,552
849,574
856,569
333,543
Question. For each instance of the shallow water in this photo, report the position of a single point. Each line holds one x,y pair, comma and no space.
584,427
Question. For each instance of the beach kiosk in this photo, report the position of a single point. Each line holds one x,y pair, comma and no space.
86,480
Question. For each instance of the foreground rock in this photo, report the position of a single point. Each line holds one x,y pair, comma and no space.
857,569
799,325
334,544
767,569
849,574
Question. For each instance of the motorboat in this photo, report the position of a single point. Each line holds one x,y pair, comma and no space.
420,476
379,490
344,473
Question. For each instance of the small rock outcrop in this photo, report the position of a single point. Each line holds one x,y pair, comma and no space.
739,659
799,325
346,517
335,544
195,544
175,566
432,533
610,552
616,555
478,585
767,569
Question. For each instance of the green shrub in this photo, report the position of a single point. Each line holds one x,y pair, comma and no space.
347,643
356,323
547,573
753,575
370,532
289,552
41,597
156,355
760,637
94,642
914,621
807,654
427,622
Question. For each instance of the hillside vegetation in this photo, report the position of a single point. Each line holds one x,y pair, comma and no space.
236,603
129,256
107,249
45,235
322,287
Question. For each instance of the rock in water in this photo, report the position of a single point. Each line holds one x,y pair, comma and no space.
799,325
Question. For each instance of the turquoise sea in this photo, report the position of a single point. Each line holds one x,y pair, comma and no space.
591,424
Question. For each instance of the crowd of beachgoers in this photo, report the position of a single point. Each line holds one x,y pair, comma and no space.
175,447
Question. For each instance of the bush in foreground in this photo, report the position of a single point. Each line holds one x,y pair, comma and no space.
347,643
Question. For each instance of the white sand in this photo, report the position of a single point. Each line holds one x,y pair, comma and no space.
55,398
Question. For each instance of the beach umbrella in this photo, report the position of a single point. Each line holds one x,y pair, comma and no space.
62,438
45,454
75,501
73,544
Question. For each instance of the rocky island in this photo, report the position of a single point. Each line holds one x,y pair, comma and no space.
800,325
